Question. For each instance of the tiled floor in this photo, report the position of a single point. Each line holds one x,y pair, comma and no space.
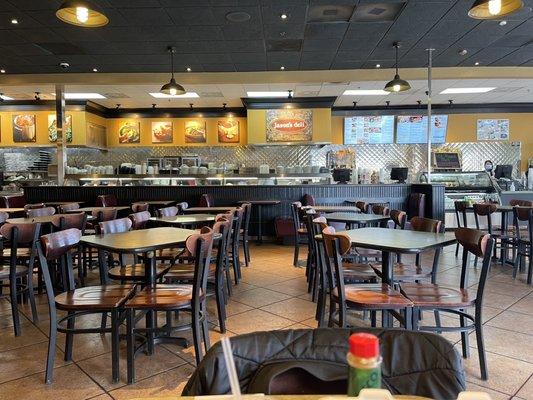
272,295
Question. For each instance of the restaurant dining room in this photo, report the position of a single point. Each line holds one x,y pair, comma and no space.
279,199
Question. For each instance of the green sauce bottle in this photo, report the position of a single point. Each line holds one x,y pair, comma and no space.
365,363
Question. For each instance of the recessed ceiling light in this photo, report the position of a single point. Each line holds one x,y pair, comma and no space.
463,52
14,21
476,63
283,93
282,68
365,92
2,71
284,16
378,65
4,97
187,95
95,69
189,69
83,96
503,23
467,90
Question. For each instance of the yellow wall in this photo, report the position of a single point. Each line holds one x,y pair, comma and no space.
178,125
463,128
321,125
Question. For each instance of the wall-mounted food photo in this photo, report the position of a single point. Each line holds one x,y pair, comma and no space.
24,128
52,128
195,132
129,132
162,132
228,131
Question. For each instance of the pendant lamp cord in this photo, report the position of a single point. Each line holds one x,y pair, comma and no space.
172,62
396,46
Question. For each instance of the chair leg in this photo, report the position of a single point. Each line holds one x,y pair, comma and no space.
373,319
296,251
205,330
196,335
69,337
31,295
115,345
464,339
130,323
437,320
246,249
14,305
221,304
457,250
481,348
530,268
50,358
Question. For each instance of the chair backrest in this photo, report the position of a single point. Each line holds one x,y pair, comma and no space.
104,214
168,211
206,200
114,226
335,246
521,203
399,218
69,221
426,225
139,219
238,214
379,209
484,210
182,207
523,218
106,200
139,207
308,200
295,211
460,213
34,206
40,212
200,245
3,217
362,205
416,205
64,208
479,244
14,201
247,207
17,236
223,227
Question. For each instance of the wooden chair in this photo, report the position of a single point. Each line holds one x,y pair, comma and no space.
40,212
3,217
379,209
460,208
33,206
139,219
19,272
360,297
524,239
399,218
139,207
521,203
65,208
101,215
182,207
245,225
106,200
165,297
299,230
168,211
206,200
77,301
233,256
456,301
362,206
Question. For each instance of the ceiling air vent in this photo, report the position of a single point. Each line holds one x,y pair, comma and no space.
330,13
284,45
377,12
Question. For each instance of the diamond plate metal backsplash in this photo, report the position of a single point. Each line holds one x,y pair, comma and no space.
368,156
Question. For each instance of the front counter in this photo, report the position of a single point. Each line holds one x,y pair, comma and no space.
395,195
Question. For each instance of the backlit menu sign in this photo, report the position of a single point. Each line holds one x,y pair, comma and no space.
369,130
412,129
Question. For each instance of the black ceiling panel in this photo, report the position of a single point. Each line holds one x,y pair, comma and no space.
318,34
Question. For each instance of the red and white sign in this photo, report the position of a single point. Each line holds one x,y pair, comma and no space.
289,125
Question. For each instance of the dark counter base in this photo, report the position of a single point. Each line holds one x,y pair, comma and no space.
396,195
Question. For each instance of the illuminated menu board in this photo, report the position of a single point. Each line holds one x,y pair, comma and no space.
369,130
412,129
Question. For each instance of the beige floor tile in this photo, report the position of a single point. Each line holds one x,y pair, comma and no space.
259,297
506,375
526,391
256,320
507,343
263,279
498,300
24,361
232,308
525,305
294,309
99,368
101,397
518,322
242,287
494,395
69,383
293,287
30,335
509,289
170,383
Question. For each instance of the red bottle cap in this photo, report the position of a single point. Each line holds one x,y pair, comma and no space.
364,345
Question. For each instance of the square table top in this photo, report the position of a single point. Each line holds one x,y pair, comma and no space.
397,240
139,241
157,202
184,219
45,219
12,210
91,209
261,202
333,208
356,218
208,210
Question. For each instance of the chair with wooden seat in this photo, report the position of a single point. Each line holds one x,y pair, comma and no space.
245,226
106,200
461,221
398,218
102,300
362,206
523,223
139,220
520,203
33,206
234,253
182,206
184,272
3,217
456,301
300,232
40,212
380,209
139,207
168,211
17,271
206,200
356,297
65,208
175,297
404,272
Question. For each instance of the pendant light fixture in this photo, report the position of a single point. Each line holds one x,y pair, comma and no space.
494,9
172,88
397,84
81,13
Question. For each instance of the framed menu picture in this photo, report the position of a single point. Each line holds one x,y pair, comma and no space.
52,128
24,128
289,125
492,129
195,132
162,132
228,131
129,132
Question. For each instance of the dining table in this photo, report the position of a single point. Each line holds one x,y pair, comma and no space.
12,210
333,208
209,210
356,219
45,219
89,210
259,206
180,220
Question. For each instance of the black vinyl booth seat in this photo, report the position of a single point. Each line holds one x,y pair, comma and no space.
313,361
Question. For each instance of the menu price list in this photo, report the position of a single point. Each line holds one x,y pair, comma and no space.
369,130
412,129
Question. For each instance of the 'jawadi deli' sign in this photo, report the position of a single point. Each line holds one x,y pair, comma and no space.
289,125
